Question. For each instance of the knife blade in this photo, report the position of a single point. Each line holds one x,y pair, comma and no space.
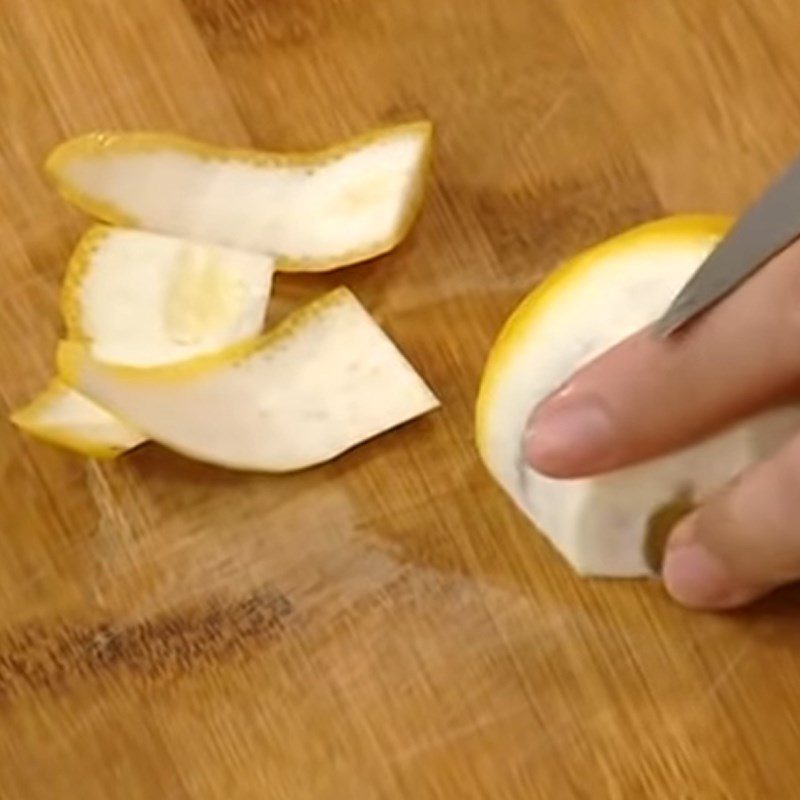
768,226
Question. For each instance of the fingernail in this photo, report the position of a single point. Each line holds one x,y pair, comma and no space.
573,433
695,577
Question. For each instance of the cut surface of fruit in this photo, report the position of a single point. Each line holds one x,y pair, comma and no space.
587,305
312,211
63,417
145,299
321,382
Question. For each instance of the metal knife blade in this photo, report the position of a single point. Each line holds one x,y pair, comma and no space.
766,228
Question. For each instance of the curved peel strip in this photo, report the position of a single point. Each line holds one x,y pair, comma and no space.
63,417
145,299
313,211
587,305
323,381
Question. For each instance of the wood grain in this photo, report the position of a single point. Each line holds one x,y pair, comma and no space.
385,626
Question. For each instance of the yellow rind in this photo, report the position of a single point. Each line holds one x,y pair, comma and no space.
517,327
71,355
77,268
26,419
109,143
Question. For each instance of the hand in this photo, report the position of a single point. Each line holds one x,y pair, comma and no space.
645,397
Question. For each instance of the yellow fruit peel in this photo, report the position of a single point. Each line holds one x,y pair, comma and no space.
325,380
62,417
171,292
146,299
312,211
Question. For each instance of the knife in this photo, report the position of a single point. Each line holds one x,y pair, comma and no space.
766,228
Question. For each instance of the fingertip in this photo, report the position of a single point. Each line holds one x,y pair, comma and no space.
569,435
695,578
698,578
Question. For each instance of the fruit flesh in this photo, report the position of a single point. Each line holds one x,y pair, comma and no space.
323,381
312,211
589,304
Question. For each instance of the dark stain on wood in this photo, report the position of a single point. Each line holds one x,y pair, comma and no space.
240,24
53,657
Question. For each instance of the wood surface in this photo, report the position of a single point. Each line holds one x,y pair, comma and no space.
385,626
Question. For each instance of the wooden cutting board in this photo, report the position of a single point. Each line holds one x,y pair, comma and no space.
385,626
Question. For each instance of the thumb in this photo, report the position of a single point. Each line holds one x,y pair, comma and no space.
743,542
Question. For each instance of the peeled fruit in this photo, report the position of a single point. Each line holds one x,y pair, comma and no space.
311,211
321,382
63,417
601,524
144,299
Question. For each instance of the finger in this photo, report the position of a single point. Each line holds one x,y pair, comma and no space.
743,542
647,396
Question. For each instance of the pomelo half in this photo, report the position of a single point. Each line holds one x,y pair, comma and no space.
312,211
593,301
